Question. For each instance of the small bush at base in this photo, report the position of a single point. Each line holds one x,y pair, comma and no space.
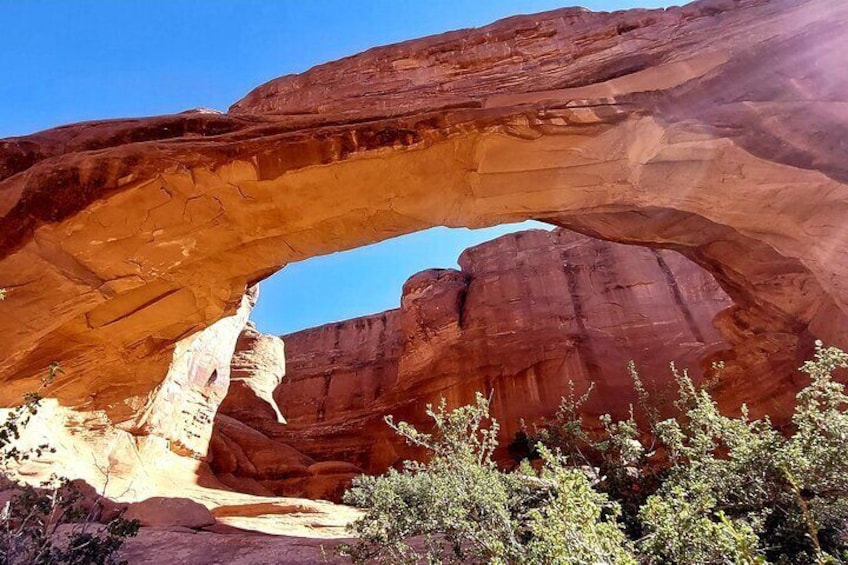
54,523
459,508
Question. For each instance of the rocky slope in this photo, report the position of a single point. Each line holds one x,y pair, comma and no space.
527,313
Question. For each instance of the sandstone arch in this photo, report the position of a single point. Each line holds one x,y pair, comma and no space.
717,129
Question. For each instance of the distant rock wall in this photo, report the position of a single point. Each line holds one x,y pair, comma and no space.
527,313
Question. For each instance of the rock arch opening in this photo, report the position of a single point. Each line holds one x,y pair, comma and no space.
704,138
361,281
524,315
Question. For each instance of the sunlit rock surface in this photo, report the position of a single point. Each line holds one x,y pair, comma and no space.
717,130
528,313
258,367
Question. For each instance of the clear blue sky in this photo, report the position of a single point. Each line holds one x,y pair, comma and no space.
64,61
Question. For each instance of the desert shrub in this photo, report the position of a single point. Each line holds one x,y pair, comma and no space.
620,458
459,508
739,489
52,523
577,524
705,488
698,488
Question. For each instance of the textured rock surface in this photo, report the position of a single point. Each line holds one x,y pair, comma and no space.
716,129
258,367
182,408
161,512
228,548
247,460
248,531
528,312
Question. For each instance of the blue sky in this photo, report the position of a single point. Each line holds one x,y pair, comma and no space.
64,61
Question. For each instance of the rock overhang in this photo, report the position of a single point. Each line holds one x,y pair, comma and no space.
665,128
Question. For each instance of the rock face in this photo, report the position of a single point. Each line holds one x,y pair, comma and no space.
159,512
258,366
527,313
248,460
182,408
716,129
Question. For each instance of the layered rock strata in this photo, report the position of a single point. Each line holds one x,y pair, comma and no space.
716,129
527,314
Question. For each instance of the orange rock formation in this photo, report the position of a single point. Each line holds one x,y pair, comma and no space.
716,129
528,313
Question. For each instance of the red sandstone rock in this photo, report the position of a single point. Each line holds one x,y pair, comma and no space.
258,366
183,406
528,312
334,468
311,529
157,546
648,126
716,129
267,458
159,512
94,505
246,460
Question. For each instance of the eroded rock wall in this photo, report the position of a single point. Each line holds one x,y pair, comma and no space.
716,130
527,313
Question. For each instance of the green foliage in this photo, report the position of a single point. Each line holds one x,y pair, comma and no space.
611,453
738,487
459,508
578,524
699,488
53,523
706,488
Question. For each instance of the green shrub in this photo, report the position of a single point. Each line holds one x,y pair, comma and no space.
700,488
738,487
459,508
706,488
577,525
620,459
55,525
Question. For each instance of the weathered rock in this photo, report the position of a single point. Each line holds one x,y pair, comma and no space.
264,458
161,512
232,546
87,502
93,505
258,366
184,405
716,129
528,313
247,460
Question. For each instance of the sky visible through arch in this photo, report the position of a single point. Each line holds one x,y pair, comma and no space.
361,281
64,61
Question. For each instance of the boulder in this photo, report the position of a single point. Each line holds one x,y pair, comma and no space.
163,512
